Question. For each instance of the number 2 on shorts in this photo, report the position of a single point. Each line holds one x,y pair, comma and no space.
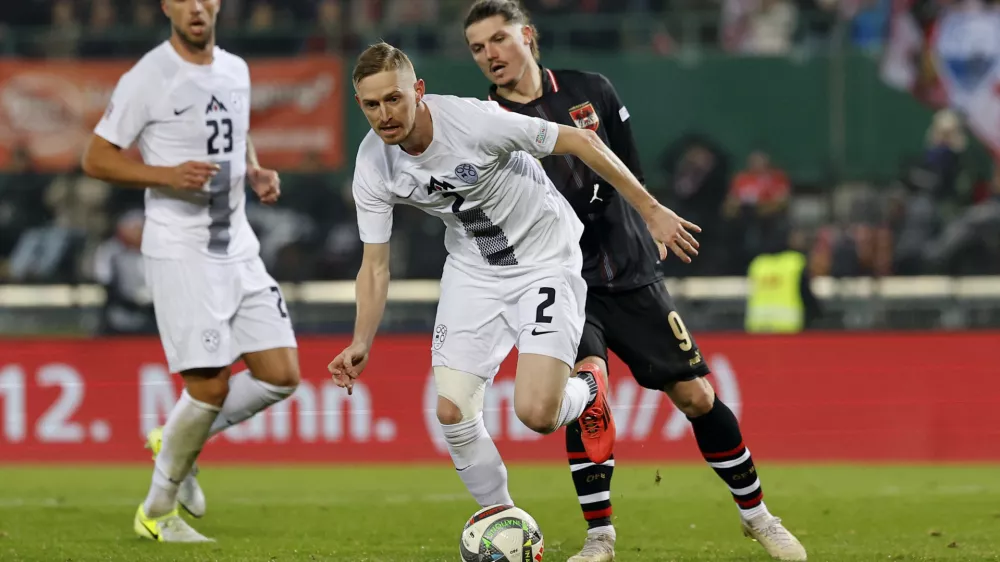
550,299
281,302
680,331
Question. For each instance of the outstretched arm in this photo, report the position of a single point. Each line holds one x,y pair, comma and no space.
665,226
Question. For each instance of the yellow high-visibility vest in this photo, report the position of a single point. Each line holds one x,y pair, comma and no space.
774,300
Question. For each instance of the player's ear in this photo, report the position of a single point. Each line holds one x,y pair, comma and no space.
358,100
528,34
420,88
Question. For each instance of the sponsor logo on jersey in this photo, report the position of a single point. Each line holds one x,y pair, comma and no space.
585,116
544,132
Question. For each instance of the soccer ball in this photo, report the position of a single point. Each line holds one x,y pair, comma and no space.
501,533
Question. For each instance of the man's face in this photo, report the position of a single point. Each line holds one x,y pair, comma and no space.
389,100
192,20
502,50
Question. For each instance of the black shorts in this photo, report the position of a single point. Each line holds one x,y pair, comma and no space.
643,328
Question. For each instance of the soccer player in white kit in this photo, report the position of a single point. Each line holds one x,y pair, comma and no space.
513,272
187,104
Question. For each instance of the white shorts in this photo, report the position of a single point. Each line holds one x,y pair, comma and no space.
480,317
209,314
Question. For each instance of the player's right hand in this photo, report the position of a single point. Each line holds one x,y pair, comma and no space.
348,365
192,176
673,232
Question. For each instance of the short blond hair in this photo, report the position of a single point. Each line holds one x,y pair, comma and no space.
380,57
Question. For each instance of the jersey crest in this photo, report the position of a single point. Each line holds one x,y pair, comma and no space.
585,116
215,105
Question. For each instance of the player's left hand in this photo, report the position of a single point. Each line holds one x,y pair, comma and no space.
266,184
673,232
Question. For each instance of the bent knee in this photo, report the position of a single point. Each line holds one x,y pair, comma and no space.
696,402
540,418
448,413
210,386
286,376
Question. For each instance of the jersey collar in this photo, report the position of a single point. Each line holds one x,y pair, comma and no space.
549,86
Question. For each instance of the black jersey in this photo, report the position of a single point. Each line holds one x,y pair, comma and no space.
618,252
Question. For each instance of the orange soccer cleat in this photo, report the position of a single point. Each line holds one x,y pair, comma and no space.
597,423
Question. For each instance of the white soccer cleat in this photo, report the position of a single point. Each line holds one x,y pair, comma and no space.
597,548
774,537
189,494
167,528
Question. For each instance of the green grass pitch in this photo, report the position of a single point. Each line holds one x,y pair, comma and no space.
841,513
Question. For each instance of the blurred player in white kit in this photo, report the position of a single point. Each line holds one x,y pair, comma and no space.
187,104
513,272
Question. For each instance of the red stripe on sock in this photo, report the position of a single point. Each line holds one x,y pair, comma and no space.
752,502
577,456
599,514
730,453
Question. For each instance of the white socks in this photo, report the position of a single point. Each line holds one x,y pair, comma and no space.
574,401
754,512
605,530
184,435
477,461
246,397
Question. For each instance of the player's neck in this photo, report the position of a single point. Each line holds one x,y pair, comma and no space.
191,54
528,88
419,139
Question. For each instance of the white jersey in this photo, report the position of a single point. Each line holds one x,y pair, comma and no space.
179,111
481,176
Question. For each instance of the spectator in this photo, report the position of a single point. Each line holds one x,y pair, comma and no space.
697,179
118,267
761,27
61,39
101,40
970,244
331,35
779,295
754,207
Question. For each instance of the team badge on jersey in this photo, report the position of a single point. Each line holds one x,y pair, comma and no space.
211,340
467,173
585,116
440,333
239,100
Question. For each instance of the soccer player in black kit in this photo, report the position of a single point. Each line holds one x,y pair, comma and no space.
628,307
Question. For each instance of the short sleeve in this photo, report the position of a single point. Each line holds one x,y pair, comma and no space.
127,113
503,131
373,206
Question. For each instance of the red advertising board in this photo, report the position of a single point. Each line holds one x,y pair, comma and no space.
49,108
868,397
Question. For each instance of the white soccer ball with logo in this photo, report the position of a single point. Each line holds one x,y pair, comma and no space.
501,533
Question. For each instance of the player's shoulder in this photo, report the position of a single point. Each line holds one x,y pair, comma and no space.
577,79
373,161
459,104
231,61
153,69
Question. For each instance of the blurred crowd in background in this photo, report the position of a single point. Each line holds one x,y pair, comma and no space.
930,219
125,27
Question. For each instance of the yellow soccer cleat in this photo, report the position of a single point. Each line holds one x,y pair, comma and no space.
167,528
189,494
